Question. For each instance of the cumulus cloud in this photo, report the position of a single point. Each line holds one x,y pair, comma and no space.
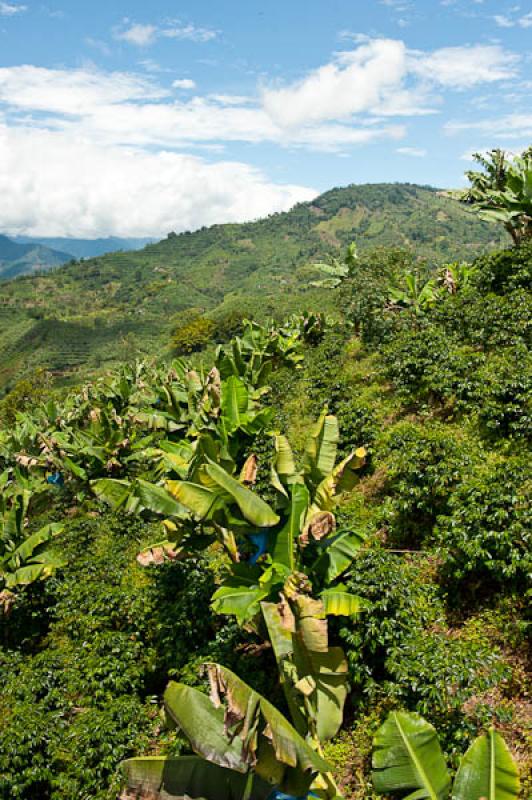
55,184
355,82
10,9
120,108
383,77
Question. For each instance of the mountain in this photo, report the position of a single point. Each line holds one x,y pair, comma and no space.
85,316
86,248
22,258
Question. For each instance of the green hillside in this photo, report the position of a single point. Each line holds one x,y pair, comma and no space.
84,316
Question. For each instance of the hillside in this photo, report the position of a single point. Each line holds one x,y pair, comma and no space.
115,305
334,509
23,258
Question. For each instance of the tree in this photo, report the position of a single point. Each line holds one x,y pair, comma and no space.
502,191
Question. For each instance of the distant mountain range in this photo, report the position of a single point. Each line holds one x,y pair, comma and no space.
20,259
85,248
24,255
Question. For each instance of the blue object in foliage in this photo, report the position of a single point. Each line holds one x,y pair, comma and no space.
56,479
260,540
277,795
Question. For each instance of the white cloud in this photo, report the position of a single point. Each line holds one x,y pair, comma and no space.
184,83
120,108
357,81
71,92
140,35
507,127
143,35
465,67
416,152
57,184
10,9
524,21
384,78
191,32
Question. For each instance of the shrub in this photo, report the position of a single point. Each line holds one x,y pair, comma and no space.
506,270
423,466
401,650
504,394
431,365
485,539
193,335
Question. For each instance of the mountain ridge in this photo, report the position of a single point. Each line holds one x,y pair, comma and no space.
81,317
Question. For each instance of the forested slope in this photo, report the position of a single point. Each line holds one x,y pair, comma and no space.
102,310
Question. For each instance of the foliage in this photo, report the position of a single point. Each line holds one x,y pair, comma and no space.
503,192
485,537
192,336
423,466
407,755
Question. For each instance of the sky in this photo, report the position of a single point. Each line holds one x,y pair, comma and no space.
130,118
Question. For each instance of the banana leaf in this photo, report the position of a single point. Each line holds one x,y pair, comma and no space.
408,755
487,770
162,778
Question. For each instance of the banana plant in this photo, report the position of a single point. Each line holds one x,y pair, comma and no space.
502,192
24,559
456,276
338,269
412,295
305,538
249,747
407,756
253,355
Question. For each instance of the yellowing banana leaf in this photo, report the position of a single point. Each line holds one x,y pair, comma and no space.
487,770
338,602
201,500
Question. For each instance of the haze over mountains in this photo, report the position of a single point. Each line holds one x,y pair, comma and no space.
22,255
112,307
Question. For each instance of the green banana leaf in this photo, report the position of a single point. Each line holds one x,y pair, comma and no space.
487,770
253,507
321,447
284,551
203,725
338,554
408,755
162,778
234,401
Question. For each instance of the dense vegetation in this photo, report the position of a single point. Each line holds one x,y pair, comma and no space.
93,314
332,514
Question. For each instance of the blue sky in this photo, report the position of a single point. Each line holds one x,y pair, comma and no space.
131,118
